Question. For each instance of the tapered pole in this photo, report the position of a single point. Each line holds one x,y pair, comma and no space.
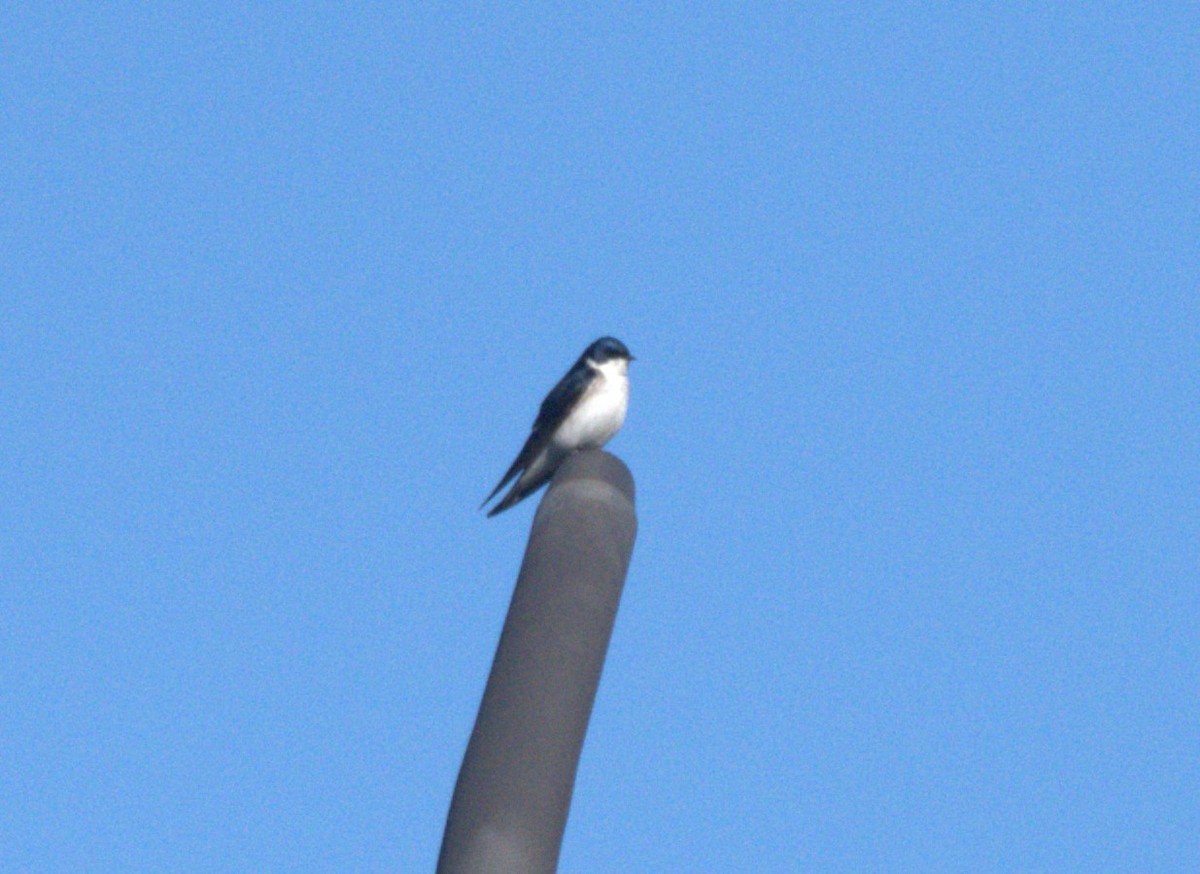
514,788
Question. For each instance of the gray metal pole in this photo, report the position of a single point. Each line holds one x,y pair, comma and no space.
514,788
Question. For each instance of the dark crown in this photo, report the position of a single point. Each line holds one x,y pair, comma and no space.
606,349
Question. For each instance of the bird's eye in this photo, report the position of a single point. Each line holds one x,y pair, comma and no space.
606,349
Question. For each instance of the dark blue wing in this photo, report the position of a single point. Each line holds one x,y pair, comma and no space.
562,398
553,410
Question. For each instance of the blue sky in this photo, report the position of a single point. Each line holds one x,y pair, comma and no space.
914,297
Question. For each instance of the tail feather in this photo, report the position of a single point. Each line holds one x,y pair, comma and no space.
514,495
512,471
536,464
522,489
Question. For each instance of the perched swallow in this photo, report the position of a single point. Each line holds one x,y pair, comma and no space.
583,411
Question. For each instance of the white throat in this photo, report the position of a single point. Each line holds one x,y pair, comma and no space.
617,368
600,413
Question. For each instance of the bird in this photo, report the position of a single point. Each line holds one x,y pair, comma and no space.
583,411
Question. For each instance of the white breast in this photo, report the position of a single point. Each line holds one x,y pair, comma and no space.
600,413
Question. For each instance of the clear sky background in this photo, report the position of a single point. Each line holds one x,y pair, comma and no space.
915,297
